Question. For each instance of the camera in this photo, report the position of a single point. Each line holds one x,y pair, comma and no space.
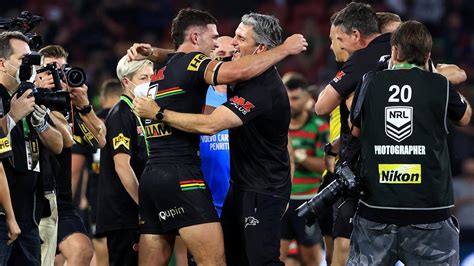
74,76
346,183
24,23
54,100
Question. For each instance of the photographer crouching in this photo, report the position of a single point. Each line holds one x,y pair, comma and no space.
30,131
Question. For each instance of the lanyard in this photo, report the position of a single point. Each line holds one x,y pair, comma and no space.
26,128
130,104
399,66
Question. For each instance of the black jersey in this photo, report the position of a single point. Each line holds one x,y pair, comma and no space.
346,80
116,209
405,165
180,86
258,149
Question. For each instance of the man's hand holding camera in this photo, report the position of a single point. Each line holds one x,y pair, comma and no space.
79,96
21,106
38,118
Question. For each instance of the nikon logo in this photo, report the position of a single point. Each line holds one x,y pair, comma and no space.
400,173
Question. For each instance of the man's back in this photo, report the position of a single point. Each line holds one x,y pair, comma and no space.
259,155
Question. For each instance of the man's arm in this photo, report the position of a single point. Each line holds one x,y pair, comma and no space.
52,139
219,119
63,127
328,100
126,174
251,66
79,99
453,73
141,51
466,118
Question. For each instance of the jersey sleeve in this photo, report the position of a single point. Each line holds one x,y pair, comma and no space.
346,79
197,63
321,138
456,104
248,103
119,131
5,146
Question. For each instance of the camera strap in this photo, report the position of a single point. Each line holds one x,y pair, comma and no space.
130,104
360,99
86,132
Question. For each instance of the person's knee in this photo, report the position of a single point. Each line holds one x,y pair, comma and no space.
311,255
77,248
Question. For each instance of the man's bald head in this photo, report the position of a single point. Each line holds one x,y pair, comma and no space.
224,47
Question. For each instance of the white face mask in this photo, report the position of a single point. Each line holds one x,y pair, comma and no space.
17,74
143,90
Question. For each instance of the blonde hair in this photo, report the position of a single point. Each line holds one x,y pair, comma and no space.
127,68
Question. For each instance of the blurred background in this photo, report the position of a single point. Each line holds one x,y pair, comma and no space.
97,33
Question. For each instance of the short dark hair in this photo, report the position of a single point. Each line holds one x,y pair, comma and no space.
54,51
186,18
413,41
111,87
6,50
294,80
357,16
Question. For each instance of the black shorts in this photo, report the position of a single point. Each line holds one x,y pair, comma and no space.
69,223
252,228
123,247
294,227
174,196
344,211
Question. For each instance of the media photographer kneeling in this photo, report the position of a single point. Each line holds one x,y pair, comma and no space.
28,135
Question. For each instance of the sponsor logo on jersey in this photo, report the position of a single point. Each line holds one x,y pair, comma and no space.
339,76
158,130
241,104
119,140
398,122
5,145
196,62
170,214
400,173
158,75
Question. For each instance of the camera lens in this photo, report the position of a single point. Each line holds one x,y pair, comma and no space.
75,76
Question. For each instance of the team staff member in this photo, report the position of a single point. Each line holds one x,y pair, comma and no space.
254,206
405,211
73,242
26,135
185,77
122,162
308,134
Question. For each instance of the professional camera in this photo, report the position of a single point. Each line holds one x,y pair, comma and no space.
57,100
74,76
346,183
24,23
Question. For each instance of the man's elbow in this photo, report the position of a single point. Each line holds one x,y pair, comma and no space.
210,130
321,109
57,148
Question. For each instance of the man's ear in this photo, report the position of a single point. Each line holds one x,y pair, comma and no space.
194,37
356,35
262,48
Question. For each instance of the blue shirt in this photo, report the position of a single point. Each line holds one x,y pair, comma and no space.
215,157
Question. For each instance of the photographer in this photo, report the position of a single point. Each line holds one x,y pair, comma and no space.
27,135
72,238
404,213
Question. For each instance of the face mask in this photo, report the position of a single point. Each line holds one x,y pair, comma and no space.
17,74
142,90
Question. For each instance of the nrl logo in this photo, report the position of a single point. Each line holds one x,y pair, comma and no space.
399,122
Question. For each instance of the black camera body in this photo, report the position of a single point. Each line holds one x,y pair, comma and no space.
55,100
24,23
346,183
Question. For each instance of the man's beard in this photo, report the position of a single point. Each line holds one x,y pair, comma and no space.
295,114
